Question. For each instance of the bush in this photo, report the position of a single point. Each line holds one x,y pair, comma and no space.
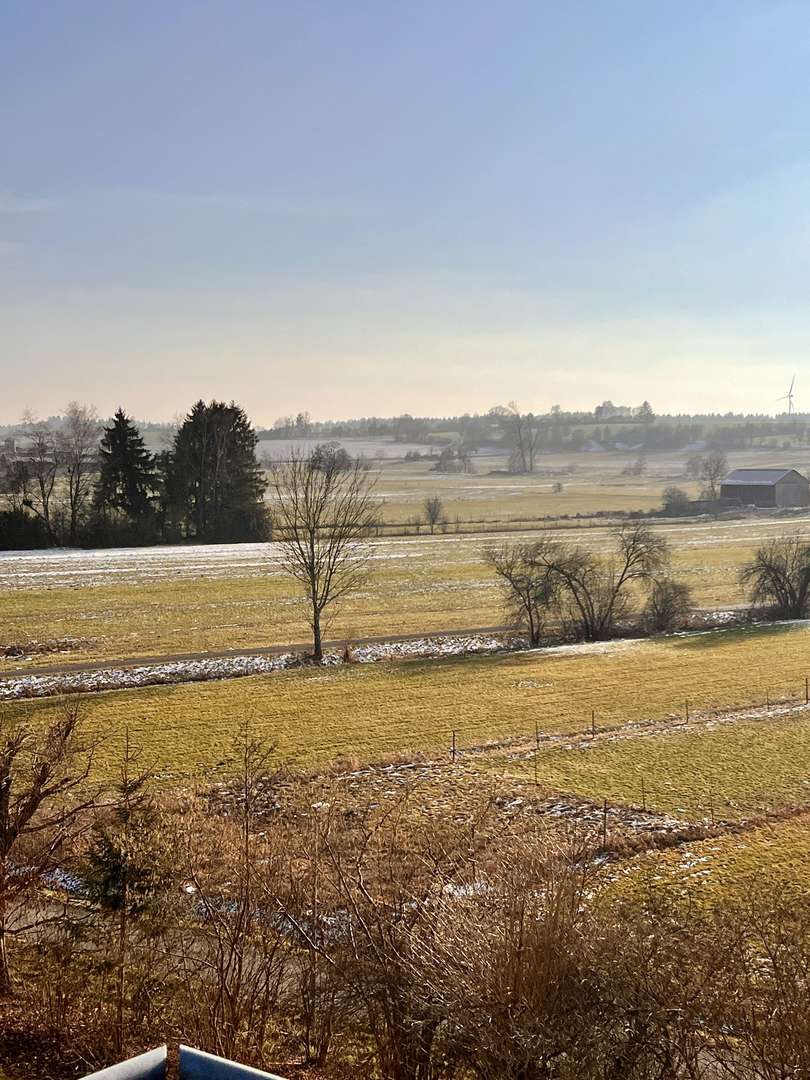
676,501
19,531
668,607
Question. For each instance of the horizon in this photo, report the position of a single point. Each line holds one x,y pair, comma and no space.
261,425
341,211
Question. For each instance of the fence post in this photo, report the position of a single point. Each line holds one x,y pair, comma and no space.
453,751
686,705
767,699
806,690
536,735
534,762
643,795
593,723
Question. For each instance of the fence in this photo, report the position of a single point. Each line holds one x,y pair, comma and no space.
657,793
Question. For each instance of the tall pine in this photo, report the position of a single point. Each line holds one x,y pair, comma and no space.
127,479
214,477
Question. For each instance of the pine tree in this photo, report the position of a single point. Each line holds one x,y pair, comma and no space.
127,478
126,873
215,480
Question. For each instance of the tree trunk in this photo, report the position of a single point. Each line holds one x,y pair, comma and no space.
317,650
5,973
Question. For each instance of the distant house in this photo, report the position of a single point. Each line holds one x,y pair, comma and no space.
766,487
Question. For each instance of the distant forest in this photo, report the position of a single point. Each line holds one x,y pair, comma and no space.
74,480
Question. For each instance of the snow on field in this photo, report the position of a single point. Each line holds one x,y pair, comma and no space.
64,568
125,678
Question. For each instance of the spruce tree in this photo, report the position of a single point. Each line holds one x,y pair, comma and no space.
127,478
214,477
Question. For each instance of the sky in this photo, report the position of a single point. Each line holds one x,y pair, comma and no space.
364,208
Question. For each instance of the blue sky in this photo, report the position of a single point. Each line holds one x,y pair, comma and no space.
358,208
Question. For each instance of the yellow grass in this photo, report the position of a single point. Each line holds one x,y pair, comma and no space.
725,866
371,711
420,586
726,771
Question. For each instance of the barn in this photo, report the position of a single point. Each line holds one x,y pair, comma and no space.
766,487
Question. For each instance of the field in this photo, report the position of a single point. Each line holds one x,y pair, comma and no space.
162,601
725,867
370,711
741,753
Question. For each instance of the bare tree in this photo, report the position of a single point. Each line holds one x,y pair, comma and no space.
779,577
530,587
77,443
593,592
693,466
35,476
322,517
43,793
525,434
713,469
434,511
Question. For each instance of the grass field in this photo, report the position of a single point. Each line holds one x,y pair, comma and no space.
160,601
726,771
368,712
726,866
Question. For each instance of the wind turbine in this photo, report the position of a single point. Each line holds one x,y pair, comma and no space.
788,397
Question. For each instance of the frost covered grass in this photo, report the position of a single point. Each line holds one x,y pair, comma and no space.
371,711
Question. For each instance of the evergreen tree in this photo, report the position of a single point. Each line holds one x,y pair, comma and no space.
213,476
126,874
127,478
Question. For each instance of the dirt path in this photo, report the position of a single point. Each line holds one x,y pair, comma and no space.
74,668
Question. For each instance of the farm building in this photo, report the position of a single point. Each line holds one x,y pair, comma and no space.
766,487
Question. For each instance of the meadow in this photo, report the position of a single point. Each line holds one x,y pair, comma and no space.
726,764
365,713
117,604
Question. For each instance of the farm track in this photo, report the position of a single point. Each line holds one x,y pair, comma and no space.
231,654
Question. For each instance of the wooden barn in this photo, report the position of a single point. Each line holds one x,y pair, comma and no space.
766,487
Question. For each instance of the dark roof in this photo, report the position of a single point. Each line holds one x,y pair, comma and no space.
765,477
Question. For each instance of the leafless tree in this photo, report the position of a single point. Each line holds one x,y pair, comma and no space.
322,518
44,792
525,436
530,587
693,466
779,577
36,474
234,961
713,469
593,591
434,511
77,443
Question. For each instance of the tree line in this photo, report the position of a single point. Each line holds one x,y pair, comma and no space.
78,483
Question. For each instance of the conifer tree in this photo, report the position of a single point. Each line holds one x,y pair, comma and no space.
127,478
214,475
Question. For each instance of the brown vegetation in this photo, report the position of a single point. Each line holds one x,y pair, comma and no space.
375,939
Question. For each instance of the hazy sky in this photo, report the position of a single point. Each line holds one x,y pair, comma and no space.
367,208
